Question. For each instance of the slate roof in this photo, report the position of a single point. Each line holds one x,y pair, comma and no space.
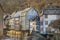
52,10
31,14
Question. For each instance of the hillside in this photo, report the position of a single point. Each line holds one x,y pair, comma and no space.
9,6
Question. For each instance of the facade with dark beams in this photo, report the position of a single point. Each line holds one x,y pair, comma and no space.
50,13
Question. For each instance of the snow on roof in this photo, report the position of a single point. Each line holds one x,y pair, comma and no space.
18,13
30,13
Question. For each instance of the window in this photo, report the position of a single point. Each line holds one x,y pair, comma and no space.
46,22
41,23
46,16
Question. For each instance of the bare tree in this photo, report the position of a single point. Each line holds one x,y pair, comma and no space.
55,24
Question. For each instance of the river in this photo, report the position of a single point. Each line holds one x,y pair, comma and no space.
25,38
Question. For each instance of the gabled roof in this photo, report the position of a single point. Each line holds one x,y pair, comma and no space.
30,13
52,10
7,16
51,6
18,13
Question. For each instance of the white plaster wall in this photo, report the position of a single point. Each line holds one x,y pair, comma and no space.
49,19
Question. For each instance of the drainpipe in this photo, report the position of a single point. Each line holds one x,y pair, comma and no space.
29,29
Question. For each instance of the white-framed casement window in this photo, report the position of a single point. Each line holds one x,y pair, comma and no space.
46,22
